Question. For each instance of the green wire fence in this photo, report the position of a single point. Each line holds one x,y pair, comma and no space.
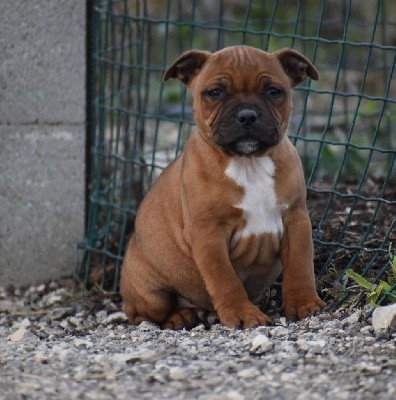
343,125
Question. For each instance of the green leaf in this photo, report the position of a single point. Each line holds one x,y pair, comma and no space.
384,286
380,289
359,279
373,297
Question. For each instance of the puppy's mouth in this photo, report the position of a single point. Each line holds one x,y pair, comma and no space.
248,146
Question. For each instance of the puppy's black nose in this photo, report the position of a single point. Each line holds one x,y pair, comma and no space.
247,117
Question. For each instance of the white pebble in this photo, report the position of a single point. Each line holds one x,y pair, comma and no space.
63,324
314,346
353,318
384,318
261,344
283,321
177,373
80,342
147,326
18,335
234,395
248,373
115,317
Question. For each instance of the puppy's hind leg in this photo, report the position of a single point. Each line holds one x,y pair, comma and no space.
144,298
187,316
182,318
154,305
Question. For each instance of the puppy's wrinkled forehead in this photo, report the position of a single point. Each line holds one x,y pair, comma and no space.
246,64
240,56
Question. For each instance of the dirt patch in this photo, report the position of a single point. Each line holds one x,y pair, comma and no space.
353,228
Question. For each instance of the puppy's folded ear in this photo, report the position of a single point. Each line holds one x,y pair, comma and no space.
187,66
296,66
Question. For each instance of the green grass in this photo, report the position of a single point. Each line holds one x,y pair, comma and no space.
382,289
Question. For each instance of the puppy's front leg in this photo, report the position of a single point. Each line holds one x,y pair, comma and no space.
299,290
229,298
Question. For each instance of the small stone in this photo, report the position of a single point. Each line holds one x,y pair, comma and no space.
374,369
198,328
80,377
157,377
303,344
22,334
283,321
18,335
177,373
353,318
332,324
286,348
54,297
63,354
53,285
75,321
63,324
80,342
6,305
40,288
318,346
261,344
61,312
42,347
27,387
131,358
147,326
248,372
115,318
233,395
287,377
384,318
279,331
314,346
40,358
367,330
101,315
57,348
353,329
391,363
25,323
313,322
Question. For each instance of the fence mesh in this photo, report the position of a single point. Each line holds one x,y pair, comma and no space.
343,125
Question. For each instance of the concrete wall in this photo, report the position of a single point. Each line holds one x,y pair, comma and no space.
42,136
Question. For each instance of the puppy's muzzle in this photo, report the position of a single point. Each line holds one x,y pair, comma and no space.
249,131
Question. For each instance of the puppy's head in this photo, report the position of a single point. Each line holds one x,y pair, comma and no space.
242,95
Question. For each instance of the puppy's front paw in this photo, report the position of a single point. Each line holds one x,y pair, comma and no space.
301,305
244,316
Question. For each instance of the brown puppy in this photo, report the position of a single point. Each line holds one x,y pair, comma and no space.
229,213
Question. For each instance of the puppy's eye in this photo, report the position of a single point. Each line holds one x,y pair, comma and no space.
215,94
274,93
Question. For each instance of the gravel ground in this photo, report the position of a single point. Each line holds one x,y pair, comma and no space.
56,343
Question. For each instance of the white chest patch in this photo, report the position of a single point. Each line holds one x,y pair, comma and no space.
259,204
